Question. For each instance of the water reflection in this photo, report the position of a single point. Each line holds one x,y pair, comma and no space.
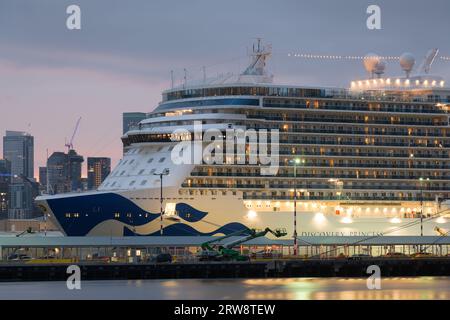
425,288
421,288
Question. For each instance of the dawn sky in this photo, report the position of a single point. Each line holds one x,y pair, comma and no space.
121,58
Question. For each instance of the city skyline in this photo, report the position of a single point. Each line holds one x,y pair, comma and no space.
51,76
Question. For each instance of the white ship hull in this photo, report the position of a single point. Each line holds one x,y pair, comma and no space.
222,214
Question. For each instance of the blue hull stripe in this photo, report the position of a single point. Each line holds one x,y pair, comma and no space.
78,215
181,229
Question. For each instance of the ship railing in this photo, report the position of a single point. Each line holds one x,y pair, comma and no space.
327,176
411,109
362,144
352,121
329,198
376,133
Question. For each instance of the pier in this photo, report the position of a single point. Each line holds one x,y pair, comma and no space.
407,267
47,258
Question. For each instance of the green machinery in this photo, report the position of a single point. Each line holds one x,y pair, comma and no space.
211,252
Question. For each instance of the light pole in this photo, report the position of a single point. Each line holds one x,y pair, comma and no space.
421,204
161,175
296,162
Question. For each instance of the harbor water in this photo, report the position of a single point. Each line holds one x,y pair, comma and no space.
415,288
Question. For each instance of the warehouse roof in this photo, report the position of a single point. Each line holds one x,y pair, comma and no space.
156,241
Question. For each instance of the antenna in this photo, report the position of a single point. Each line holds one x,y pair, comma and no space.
204,74
46,175
428,61
258,60
185,78
171,78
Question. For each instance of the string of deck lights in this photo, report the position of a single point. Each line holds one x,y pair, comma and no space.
347,57
375,65
337,57
396,82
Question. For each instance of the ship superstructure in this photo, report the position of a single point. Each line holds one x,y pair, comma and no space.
358,161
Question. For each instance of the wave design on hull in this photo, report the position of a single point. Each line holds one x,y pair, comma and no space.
184,230
95,209
189,213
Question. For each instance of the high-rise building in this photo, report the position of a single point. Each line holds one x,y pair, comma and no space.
5,180
18,149
98,170
84,184
57,173
64,172
131,119
43,178
21,199
75,162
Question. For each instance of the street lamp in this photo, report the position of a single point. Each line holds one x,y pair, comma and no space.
161,175
296,162
421,203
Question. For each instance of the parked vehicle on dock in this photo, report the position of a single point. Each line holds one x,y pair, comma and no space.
163,258
206,255
422,255
360,256
47,257
395,255
19,257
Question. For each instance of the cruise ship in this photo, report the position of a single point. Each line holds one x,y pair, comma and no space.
370,159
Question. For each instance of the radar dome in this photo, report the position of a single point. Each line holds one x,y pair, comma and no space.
407,62
371,61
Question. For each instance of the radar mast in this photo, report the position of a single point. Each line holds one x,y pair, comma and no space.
258,59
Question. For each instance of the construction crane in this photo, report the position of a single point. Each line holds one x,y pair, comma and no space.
69,145
226,252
